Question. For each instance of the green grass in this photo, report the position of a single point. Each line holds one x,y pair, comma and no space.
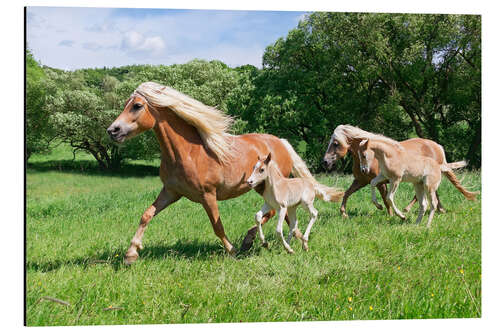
371,266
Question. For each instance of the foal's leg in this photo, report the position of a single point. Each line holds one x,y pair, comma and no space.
164,199
434,204
374,182
412,202
279,229
420,194
313,213
292,215
382,188
390,197
258,220
440,206
356,185
210,205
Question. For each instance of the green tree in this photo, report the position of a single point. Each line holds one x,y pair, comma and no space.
39,134
399,74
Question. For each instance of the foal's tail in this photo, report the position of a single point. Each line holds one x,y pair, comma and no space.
300,169
447,169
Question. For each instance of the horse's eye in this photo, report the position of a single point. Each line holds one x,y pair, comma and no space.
137,106
335,144
261,170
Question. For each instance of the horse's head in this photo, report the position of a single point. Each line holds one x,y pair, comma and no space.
135,118
260,171
366,156
335,151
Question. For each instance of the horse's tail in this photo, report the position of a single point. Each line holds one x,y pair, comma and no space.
447,169
300,169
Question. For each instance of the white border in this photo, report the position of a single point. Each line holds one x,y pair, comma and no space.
12,159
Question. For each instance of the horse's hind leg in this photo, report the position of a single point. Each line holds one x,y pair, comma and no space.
412,202
293,222
440,207
210,205
313,213
422,200
434,204
164,199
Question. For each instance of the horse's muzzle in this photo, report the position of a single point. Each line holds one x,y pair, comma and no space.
116,132
328,163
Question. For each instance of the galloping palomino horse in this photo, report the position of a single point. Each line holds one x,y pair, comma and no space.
346,138
399,165
200,160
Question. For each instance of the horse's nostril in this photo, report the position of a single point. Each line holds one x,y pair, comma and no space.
113,129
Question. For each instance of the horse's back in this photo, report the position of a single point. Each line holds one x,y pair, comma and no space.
249,148
260,145
425,147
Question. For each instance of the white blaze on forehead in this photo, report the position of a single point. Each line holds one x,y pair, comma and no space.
259,163
331,141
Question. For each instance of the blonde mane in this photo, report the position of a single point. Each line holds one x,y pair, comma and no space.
212,124
345,133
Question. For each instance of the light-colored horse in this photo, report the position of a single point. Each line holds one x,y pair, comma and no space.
399,165
284,195
346,138
200,160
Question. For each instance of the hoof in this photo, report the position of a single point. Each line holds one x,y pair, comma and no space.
130,258
403,217
248,240
290,251
265,245
305,246
344,215
379,206
442,210
406,210
232,252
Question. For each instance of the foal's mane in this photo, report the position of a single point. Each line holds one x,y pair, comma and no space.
345,133
211,123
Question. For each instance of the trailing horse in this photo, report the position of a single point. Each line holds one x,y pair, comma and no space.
399,165
346,138
200,160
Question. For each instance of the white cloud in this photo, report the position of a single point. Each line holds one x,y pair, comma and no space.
134,42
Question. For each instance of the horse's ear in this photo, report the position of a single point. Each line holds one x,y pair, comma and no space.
364,142
268,159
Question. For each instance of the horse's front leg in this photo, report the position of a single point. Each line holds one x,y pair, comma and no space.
164,199
258,220
356,185
279,229
212,209
374,182
390,197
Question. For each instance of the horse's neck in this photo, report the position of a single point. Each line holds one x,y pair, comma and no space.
175,136
274,179
384,152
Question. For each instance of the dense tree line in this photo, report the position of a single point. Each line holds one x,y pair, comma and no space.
402,75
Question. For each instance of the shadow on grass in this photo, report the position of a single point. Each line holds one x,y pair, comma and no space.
91,168
191,250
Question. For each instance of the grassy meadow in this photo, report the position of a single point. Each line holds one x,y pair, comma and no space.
79,222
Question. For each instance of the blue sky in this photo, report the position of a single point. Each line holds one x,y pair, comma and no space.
71,38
